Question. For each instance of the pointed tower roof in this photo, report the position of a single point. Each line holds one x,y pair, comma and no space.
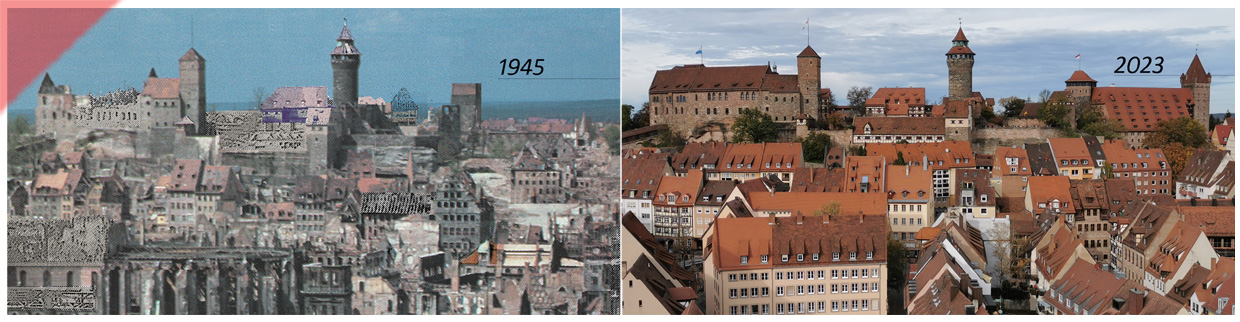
191,55
1080,76
152,74
344,33
48,87
1196,73
960,35
184,121
808,52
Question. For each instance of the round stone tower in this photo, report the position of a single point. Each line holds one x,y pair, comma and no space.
960,68
345,60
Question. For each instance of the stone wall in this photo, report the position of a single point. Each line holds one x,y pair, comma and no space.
682,117
986,140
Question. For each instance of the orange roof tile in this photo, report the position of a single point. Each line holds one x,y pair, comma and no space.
808,203
680,191
808,52
1080,76
162,88
1139,109
1048,189
1196,73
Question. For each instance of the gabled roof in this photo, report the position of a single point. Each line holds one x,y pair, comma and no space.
899,126
185,176
291,97
162,88
1139,109
698,77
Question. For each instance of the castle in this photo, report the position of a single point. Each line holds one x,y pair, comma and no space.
687,96
162,103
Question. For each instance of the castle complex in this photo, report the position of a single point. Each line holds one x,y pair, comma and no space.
162,103
687,96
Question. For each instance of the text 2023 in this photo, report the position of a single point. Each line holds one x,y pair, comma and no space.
1133,65
513,66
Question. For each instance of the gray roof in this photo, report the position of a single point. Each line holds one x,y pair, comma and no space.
288,97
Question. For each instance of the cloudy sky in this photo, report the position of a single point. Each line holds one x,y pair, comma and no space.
1019,52
422,50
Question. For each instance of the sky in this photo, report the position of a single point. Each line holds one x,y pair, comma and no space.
1020,52
423,50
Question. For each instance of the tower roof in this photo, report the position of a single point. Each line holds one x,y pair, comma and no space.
959,50
1196,72
152,74
1080,76
344,34
48,87
960,35
191,55
808,52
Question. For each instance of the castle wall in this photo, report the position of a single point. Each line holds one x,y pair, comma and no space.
683,117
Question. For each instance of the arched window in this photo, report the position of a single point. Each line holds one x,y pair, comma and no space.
69,279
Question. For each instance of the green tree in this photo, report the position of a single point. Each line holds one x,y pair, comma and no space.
897,271
754,126
1012,106
856,99
827,108
612,134
1177,156
18,126
1183,130
1055,113
630,120
668,139
814,146
899,159
857,151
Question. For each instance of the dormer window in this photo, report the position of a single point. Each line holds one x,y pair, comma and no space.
784,258
869,255
835,256
744,260
800,257
815,257
852,256
765,258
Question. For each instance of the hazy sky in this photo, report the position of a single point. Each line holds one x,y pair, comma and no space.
1019,52
423,50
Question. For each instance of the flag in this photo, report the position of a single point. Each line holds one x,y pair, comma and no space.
806,24
699,52
1078,56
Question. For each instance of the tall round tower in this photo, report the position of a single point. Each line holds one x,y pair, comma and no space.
345,59
960,68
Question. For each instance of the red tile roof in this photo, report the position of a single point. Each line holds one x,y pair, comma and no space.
867,169
1080,76
910,183
682,190
960,35
642,177
1196,73
938,155
809,203
899,126
701,78
1214,221
162,88
1047,189
191,54
817,180
808,52
185,176
1070,149
1139,109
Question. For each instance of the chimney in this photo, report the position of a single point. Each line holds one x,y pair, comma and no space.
970,310
924,161
800,219
771,219
1137,300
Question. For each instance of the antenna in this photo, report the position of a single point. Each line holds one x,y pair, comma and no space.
191,31
346,22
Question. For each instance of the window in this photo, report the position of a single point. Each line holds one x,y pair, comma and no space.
766,276
870,254
765,258
835,256
744,260
852,256
779,291
784,257
766,291
800,289
835,274
800,257
835,288
732,293
731,277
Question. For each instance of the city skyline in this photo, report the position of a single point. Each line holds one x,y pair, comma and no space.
412,48
1016,54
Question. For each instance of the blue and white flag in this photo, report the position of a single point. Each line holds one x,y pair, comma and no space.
699,52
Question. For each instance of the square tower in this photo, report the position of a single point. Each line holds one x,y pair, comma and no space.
193,89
